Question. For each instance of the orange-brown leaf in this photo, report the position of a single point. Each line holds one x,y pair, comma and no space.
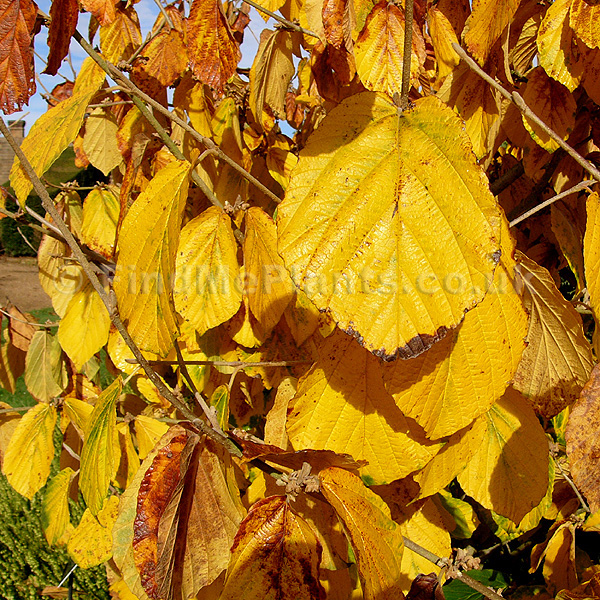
213,51
17,76
64,14
19,331
275,554
104,10
583,443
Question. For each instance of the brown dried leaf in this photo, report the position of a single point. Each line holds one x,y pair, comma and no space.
583,443
275,554
19,330
213,51
17,71
64,14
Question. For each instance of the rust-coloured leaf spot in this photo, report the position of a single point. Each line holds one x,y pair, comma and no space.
275,554
17,76
583,443
64,15
213,51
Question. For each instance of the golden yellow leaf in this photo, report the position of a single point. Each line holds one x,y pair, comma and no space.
100,454
212,49
148,431
569,235
84,328
256,572
121,38
271,73
442,37
79,412
591,255
31,450
509,471
91,542
12,366
145,266
8,423
45,371
54,515
556,44
376,539
269,287
275,432
361,234
379,50
553,103
119,352
189,96
100,217
100,140
207,292
584,19
485,24
558,359
559,558
56,129
281,160
463,518
460,377
342,405
302,317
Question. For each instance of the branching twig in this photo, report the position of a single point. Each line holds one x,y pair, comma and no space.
581,499
282,20
517,99
32,323
576,188
406,59
108,302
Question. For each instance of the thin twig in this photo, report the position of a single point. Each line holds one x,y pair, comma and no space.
4,411
164,14
148,39
107,104
26,240
32,323
406,59
109,302
282,20
226,363
133,90
581,499
517,99
576,188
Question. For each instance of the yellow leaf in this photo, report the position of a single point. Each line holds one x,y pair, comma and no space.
464,518
100,454
256,572
148,431
55,506
342,405
584,18
206,291
8,423
31,450
130,461
559,559
189,96
379,50
91,542
212,49
121,38
485,24
281,160
302,317
219,400
100,140
12,365
558,359
460,377
509,470
361,234
269,287
553,103
145,266
376,539
79,412
442,37
119,352
45,371
55,129
100,217
275,432
591,256
271,73
84,328
555,42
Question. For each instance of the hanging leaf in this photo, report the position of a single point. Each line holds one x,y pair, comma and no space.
56,129
148,431
145,267
376,539
558,359
207,292
100,217
104,10
55,517
442,37
12,366
64,15
274,554
100,454
584,19
31,450
45,372
100,140
212,49
120,38
342,405
369,227
509,471
17,71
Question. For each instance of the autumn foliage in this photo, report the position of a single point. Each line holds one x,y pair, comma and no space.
336,340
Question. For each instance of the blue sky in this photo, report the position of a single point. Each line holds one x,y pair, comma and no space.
147,11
